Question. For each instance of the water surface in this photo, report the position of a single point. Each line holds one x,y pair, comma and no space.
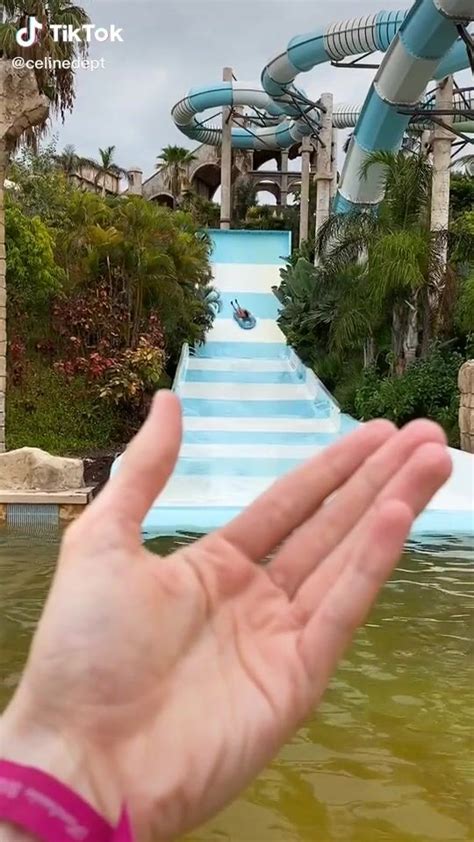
389,755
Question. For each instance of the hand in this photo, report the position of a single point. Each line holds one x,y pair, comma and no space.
169,683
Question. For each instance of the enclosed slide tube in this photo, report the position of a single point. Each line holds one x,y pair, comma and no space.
420,44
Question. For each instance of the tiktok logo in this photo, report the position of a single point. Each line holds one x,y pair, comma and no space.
68,34
26,36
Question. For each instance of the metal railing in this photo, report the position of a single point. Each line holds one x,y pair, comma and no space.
182,367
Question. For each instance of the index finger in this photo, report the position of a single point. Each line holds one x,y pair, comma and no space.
147,463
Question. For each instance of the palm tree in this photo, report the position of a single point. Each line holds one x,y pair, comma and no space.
326,312
31,95
77,240
173,163
107,166
211,299
166,264
204,212
55,82
244,198
147,263
403,267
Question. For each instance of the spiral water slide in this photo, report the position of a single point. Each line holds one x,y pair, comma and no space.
421,44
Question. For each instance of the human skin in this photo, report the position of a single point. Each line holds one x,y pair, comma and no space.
169,683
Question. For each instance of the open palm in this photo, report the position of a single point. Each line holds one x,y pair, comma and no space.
173,681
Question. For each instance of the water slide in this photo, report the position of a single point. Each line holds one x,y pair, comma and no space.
252,410
420,44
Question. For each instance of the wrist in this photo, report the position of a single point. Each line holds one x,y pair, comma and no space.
8,833
28,741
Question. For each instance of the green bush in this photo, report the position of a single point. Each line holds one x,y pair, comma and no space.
346,388
61,417
32,274
133,379
427,389
464,309
41,188
462,194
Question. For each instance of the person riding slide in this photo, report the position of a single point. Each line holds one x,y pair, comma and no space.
240,312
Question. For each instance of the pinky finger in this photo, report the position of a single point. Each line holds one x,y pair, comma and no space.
329,631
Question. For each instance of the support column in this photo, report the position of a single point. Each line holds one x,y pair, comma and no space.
324,174
3,294
442,148
425,142
466,412
334,184
284,179
226,160
305,189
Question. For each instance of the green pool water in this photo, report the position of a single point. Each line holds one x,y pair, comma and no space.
389,755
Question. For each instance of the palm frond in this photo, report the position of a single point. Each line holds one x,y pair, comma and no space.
399,262
55,81
408,179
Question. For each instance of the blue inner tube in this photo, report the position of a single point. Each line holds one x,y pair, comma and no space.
246,324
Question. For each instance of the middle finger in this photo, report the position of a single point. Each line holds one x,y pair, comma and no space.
313,541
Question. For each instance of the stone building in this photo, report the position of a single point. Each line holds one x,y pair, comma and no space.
90,179
204,174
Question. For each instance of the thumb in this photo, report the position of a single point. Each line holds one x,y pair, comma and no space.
147,464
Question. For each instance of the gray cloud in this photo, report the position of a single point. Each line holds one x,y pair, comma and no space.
172,45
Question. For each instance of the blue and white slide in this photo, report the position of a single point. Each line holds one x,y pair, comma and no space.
252,411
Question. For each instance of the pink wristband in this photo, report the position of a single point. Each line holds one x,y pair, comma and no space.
48,809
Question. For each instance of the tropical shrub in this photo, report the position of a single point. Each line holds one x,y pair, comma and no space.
244,197
264,218
33,276
428,388
41,189
326,313
112,289
464,313
364,318
91,319
462,194
204,213
133,379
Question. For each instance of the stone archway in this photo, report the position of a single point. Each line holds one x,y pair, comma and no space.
206,180
262,157
271,187
294,189
164,199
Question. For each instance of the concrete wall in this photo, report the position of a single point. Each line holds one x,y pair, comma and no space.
21,106
85,178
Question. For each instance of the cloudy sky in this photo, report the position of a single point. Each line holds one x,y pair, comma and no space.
172,45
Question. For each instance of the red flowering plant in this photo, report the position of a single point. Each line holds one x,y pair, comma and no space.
17,361
94,333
